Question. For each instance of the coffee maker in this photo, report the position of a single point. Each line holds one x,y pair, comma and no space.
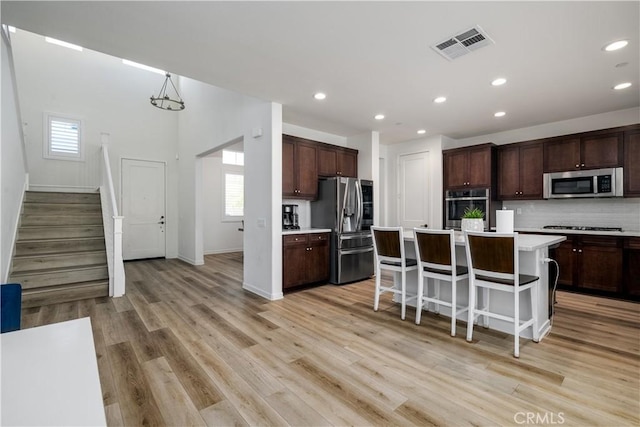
290,217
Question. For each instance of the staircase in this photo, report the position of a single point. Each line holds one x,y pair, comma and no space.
60,250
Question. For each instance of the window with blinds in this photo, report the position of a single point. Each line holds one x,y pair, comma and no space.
233,195
63,138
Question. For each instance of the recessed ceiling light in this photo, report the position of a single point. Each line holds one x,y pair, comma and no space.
440,100
616,45
422,132
622,86
499,114
379,116
320,96
499,82
63,44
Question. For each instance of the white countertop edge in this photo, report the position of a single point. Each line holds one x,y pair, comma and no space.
594,233
526,242
306,231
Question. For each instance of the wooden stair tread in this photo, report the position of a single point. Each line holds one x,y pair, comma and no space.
60,254
57,270
67,286
62,239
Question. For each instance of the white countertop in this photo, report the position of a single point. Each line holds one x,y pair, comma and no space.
306,231
526,242
594,233
50,376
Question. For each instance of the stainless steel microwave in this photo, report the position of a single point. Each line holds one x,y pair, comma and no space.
584,183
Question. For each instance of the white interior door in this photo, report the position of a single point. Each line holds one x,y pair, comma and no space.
143,208
413,192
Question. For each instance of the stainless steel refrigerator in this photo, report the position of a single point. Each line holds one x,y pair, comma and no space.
345,205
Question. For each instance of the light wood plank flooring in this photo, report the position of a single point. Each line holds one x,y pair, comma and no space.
187,346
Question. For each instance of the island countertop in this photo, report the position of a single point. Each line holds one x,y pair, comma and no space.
526,242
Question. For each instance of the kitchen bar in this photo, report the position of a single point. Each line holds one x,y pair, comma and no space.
533,251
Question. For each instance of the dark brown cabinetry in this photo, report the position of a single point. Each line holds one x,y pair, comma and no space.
592,150
305,259
591,262
520,171
299,169
468,167
337,161
632,163
632,267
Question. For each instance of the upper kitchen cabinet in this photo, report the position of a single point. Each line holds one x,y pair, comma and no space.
632,163
590,150
468,167
299,168
337,161
520,171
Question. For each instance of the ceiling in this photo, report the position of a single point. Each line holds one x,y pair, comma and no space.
373,57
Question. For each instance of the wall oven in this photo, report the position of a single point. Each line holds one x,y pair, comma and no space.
587,183
457,201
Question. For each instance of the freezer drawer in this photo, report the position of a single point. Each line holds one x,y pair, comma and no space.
350,265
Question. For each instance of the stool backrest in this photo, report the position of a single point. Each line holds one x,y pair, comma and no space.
388,243
435,248
492,254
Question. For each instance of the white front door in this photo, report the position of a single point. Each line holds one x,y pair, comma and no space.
143,208
413,190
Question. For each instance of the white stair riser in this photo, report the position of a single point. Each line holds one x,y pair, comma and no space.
31,280
44,197
58,246
58,261
58,294
40,233
44,220
59,209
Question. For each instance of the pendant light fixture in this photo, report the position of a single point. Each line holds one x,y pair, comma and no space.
166,102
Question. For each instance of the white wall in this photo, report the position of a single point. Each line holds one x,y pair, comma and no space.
219,235
110,97
13,176
213,118
314,135
392,154
547,130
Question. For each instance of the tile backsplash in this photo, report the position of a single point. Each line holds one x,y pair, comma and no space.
605,212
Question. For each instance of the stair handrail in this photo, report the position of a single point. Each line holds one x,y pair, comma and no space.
112,227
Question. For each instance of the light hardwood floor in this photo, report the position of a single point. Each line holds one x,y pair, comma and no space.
187,346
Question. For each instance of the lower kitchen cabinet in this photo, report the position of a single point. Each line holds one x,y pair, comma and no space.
305,259
632,266
591,263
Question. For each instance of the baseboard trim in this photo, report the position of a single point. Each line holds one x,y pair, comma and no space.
189,260
262,293
223,251
62,188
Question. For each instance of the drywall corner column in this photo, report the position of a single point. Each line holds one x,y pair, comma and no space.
263,200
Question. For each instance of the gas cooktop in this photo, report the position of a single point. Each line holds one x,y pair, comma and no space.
581,228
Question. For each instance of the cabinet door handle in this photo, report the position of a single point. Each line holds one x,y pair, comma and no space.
578,166
574,250
580,250
582,165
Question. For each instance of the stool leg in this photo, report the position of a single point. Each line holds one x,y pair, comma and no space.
454,308
485,296
419,299
516,322
376,298
436,294
472,307
404,294
534,311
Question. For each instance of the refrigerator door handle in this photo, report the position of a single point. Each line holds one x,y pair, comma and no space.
359,202
356,251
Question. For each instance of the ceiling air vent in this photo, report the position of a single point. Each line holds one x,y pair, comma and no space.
463,43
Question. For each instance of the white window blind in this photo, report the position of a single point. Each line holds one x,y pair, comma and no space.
233,195
64,139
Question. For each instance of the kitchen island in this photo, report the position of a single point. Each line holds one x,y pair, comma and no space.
533,250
